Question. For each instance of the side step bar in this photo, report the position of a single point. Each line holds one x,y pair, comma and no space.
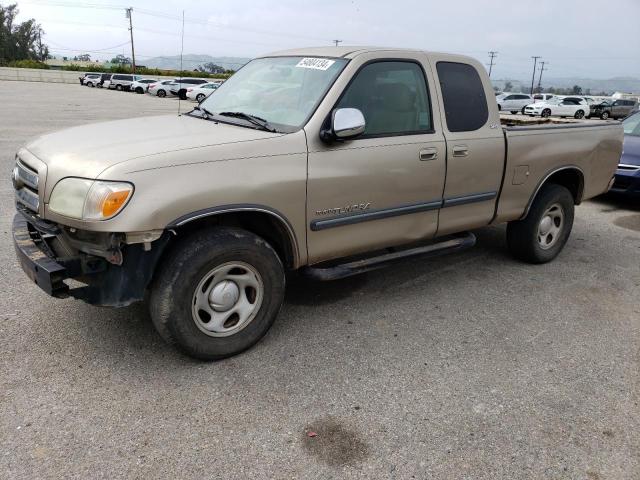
334,271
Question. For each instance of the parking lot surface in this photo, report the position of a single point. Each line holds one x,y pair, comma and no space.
471,365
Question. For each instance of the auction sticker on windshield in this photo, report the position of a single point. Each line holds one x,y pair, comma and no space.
315,63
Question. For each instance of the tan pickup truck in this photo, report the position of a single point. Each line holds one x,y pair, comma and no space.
330,161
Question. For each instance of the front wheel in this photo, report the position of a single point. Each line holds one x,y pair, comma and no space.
200,97
217,293
579,114
546,113
162,93
139,90
604,115
89,84
523,110
514,112
119,87
542,234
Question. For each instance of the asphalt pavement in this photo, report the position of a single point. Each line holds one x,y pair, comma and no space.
470,366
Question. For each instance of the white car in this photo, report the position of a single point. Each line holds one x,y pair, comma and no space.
141,86
513,102
576,107
161,89
542,97
200,92
92,79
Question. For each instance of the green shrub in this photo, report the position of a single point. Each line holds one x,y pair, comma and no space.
28,64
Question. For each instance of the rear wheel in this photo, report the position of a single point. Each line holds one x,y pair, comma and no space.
217,293
119,87
579,114
542,234
514,112
89,84
499,107
522,111
139,90
604,115
182,94
162,93
200,97
546,113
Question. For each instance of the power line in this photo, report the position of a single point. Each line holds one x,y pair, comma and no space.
533,77
492,55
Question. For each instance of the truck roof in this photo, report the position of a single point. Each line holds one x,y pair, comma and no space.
353,51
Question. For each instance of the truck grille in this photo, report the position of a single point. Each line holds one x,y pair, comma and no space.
26,182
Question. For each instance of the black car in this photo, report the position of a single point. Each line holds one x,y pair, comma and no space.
613,109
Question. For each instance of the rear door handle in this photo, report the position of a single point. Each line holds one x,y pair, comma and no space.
460,151
428,154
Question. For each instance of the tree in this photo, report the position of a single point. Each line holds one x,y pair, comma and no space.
508,86
576,90
210,67
20,41
85,57
121,60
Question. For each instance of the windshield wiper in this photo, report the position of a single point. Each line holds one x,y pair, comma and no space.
204,110
260,122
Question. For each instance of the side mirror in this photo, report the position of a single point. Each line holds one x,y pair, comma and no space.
346,123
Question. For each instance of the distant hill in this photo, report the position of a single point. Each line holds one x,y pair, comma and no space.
191,61
616,84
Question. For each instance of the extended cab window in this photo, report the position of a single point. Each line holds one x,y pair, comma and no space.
392,96
465,104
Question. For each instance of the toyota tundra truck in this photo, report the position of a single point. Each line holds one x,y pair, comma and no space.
327,161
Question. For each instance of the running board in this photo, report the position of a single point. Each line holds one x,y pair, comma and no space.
334,271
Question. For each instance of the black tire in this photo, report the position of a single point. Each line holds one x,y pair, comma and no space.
200,97
546,113
89,84
499,107
182,94
579,114
119,87
514,112
162,93
139,90
523,236
522,111
604,115
177,281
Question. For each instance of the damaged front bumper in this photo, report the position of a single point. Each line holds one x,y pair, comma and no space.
99,282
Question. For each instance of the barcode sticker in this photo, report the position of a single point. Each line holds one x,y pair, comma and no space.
315,63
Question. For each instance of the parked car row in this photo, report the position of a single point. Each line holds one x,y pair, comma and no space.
196,89
547,104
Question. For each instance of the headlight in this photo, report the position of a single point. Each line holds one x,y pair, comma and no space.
89,199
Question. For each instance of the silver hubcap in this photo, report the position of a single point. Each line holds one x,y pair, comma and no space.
550,226
227,299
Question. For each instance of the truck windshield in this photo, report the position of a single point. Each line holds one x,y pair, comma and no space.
284,91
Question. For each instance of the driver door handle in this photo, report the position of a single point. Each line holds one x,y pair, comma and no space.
428,154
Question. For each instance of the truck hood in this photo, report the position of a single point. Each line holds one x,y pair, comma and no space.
88,150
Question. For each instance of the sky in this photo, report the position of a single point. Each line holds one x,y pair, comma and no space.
577,38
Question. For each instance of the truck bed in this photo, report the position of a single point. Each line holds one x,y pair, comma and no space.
534,152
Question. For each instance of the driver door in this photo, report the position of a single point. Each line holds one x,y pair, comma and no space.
383,188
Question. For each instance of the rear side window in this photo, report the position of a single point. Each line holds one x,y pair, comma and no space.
465,104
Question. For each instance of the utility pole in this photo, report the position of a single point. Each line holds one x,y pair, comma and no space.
533,77
337,42
492,55
133,52
542,69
